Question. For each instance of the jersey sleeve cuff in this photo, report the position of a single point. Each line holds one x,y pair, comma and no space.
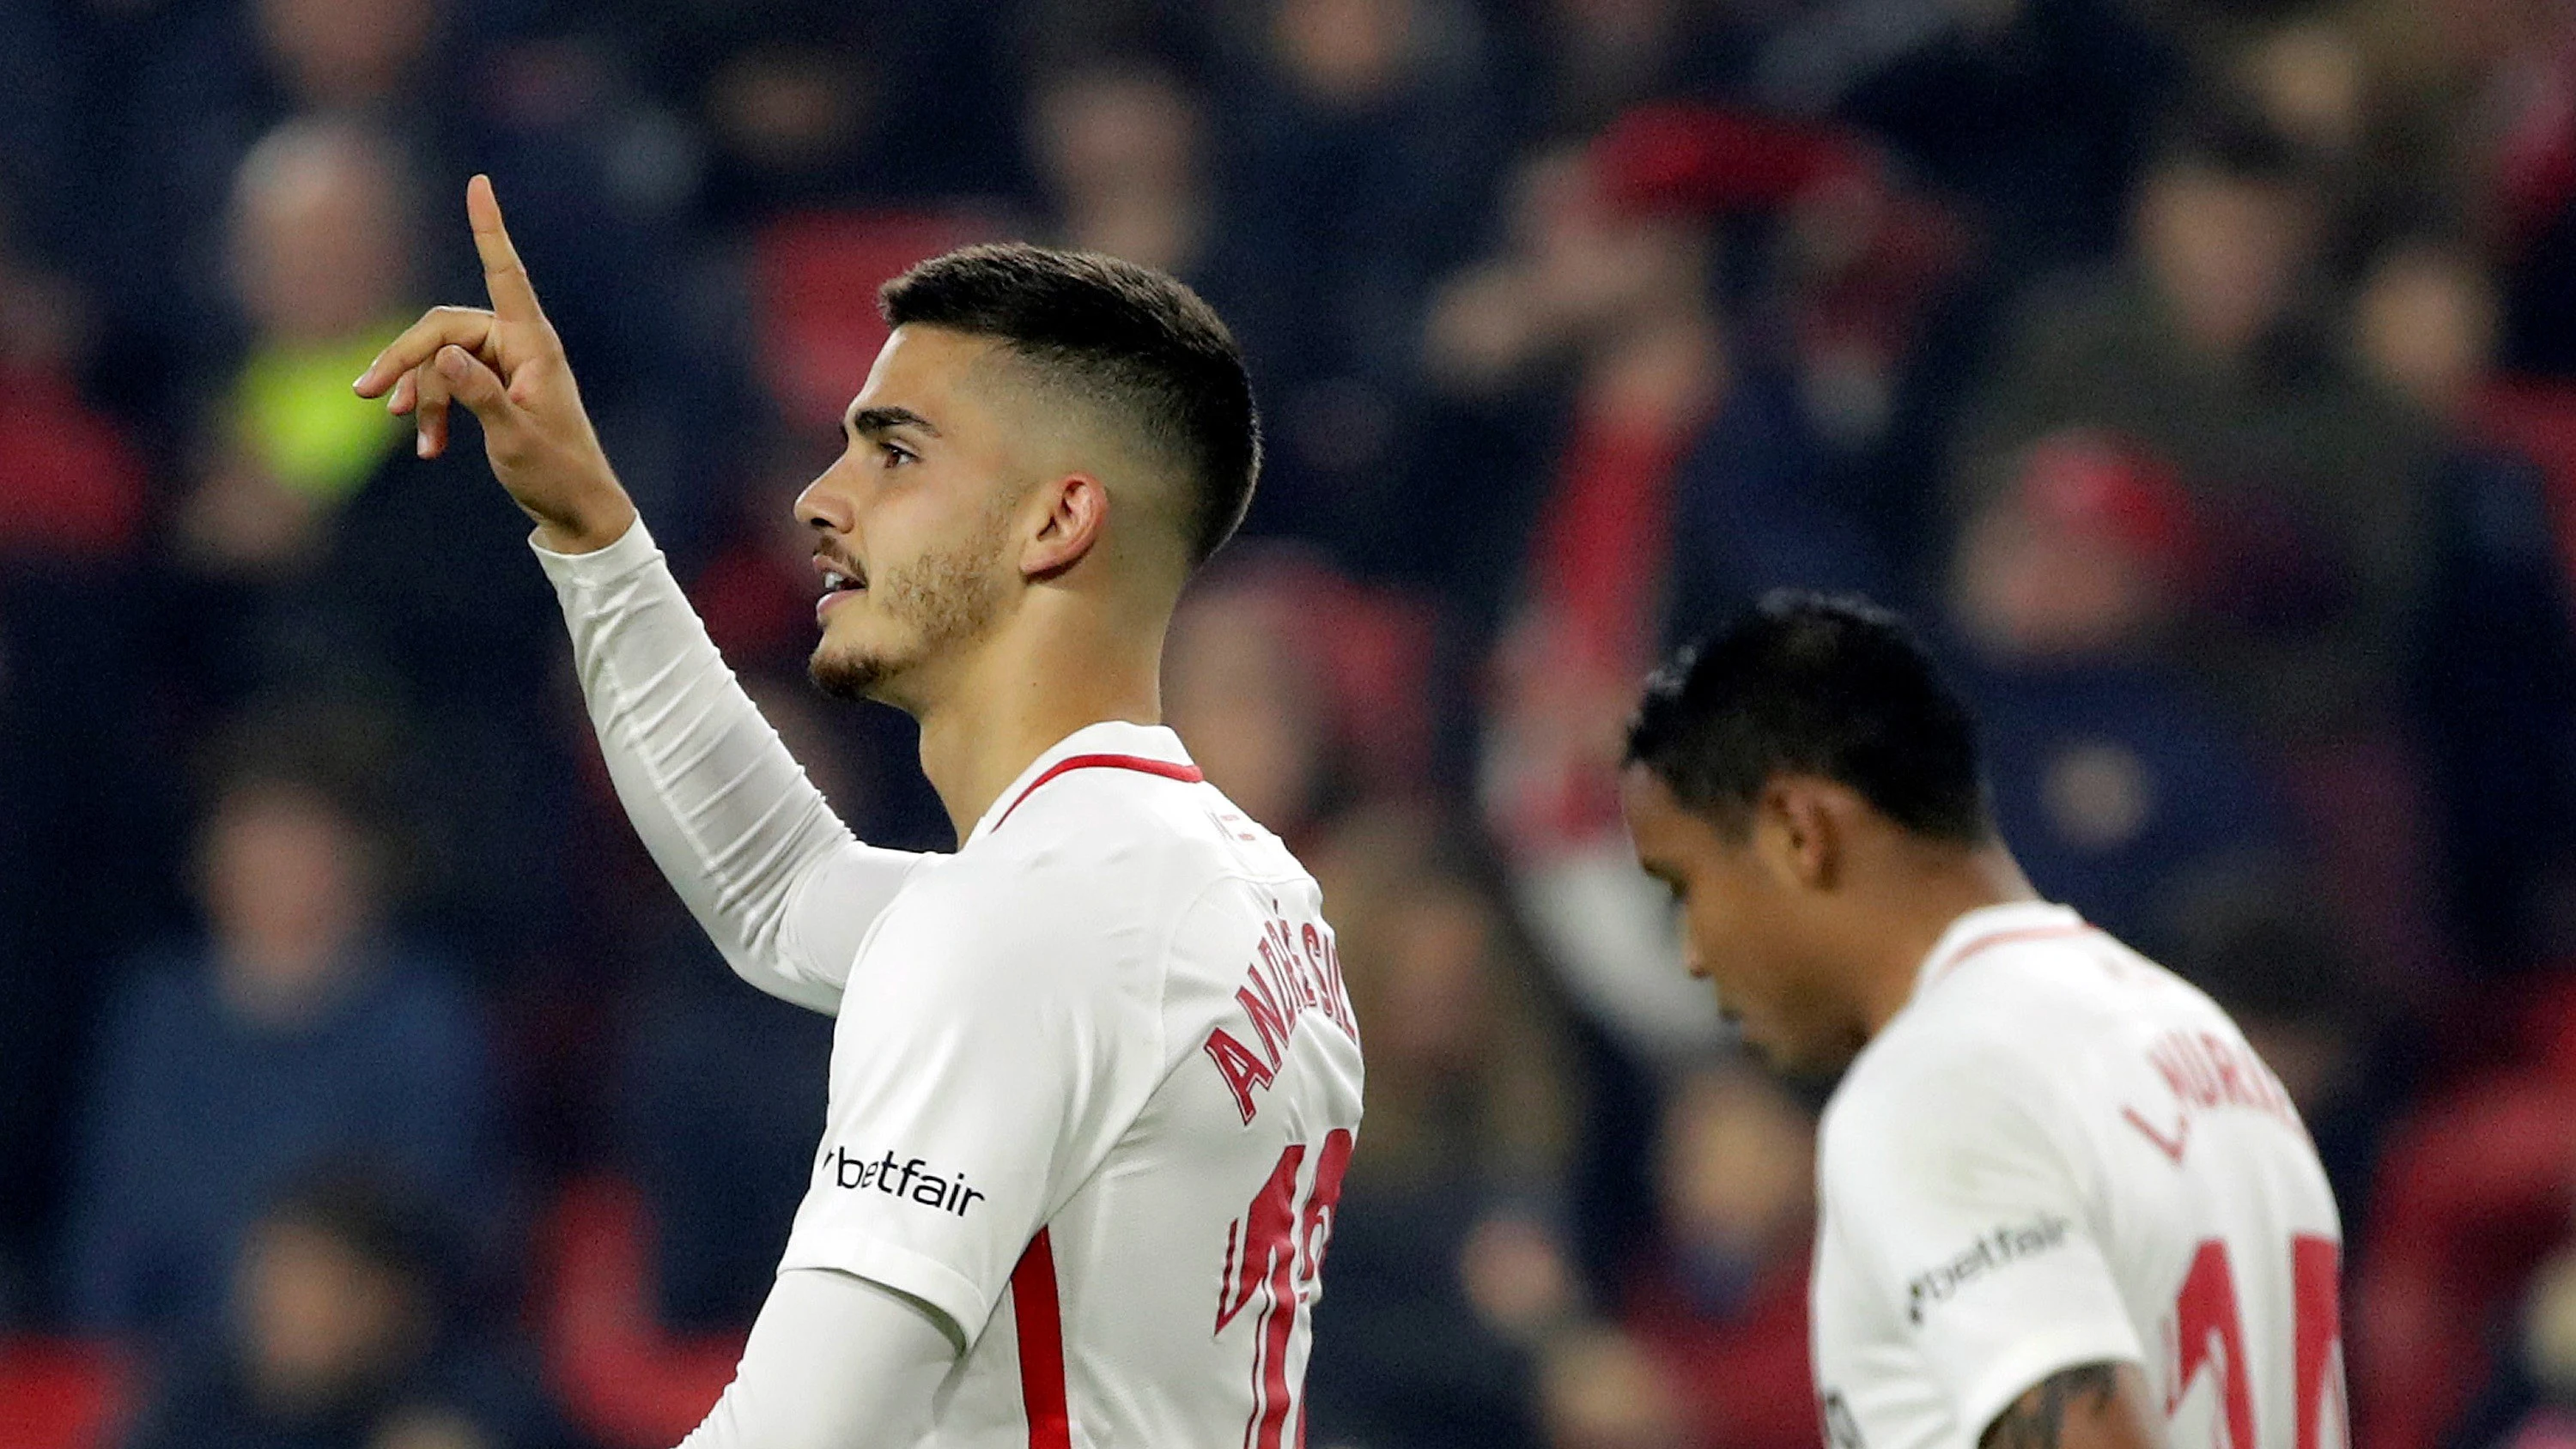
901,1269
2024,1366
633,549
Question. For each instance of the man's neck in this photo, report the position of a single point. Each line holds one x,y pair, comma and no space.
1944,888
1019,697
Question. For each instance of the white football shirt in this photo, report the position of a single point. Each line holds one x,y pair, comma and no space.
2060,1153
1095,1077
1094,1086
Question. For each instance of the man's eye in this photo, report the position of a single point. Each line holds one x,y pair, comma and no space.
894,454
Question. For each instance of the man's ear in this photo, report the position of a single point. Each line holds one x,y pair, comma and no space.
1076,519
1800,825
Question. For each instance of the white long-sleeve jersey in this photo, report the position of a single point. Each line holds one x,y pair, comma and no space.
1095,1077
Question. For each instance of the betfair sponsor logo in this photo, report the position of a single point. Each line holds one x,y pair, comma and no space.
2006,1245
911,1180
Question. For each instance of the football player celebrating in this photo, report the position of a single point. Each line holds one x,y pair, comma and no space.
1099,1058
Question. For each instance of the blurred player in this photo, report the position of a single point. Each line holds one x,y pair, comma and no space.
2062,1202
1095,1078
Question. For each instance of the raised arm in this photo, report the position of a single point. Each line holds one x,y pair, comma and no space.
780,885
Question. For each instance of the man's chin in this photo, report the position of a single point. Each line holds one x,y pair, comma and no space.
848,674
1792,1060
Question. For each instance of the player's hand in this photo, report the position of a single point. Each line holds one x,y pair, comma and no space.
506,365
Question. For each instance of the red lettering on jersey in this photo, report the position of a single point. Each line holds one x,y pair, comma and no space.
2209,1335
2170,1146
2316,1275
1295,967
1269,1245
1270,1018
2209,1073
1241,1069
1327,966
1281,985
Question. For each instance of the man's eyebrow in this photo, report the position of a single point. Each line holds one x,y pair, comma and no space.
868,422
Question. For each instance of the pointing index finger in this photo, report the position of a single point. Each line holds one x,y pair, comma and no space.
513,299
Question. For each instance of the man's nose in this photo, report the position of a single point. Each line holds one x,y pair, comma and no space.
824,508
1692,960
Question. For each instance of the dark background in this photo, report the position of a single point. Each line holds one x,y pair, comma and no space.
2197,373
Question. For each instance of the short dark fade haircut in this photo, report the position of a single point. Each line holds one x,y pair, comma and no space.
1831,686
1129,336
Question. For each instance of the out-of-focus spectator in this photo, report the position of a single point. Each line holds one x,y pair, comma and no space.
2311,496
2496,694
2201,351
2124,793
297,1031
1245,690
316,551
71,486
320,247
1355,152
344,1334
1688,479
2121,789
1721,1307
1703,1342
1120,150
2425,325
1843,262
198,87
1602,1390
1300,690
1442,1247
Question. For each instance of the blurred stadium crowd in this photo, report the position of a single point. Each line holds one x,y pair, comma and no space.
2202,373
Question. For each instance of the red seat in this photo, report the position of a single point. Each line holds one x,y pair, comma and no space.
61,1393
2477,1189
815,281
626,1381
1370,647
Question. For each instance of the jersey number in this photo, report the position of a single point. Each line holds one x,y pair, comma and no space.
2210,1336
1281,1252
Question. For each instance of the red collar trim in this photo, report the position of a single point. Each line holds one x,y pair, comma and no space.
1139,763
1978,944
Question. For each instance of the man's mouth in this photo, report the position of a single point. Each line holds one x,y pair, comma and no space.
840,577
840,580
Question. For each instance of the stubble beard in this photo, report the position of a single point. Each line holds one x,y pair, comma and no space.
939,603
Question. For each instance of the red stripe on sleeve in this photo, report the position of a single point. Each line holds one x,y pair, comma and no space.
1040,1320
